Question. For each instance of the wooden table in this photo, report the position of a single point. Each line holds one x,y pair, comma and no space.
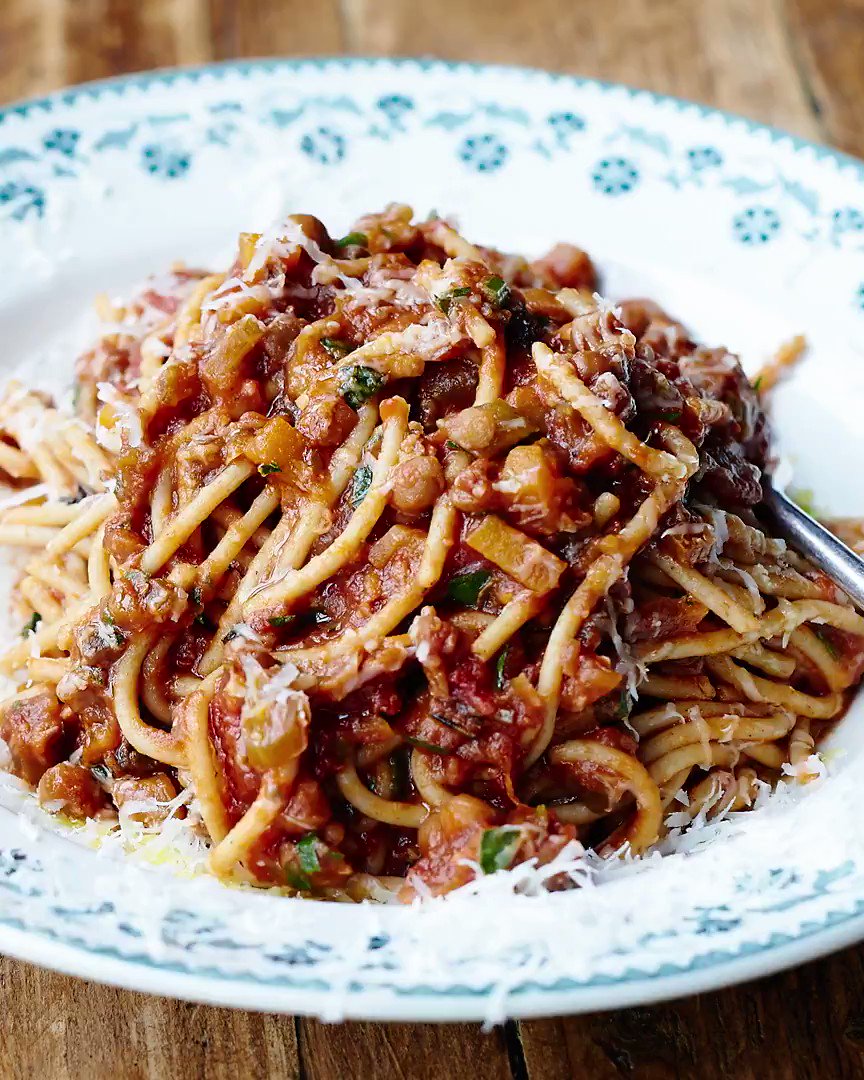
798,64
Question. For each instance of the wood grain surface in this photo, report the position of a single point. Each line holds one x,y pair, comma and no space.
798,64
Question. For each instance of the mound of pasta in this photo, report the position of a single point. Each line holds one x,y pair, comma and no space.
391,560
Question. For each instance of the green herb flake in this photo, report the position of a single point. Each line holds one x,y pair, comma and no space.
269,467
804,498
297,879
281,620
757,383
195,595
466,588
353,239
498,848
500,664
336,347
830,647
497,290
445,301
202,620
361,485
232,633
452,445
625,705
432,747
359,384
307,853
31,624
672,416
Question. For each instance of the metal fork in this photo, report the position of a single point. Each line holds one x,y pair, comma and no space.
815,542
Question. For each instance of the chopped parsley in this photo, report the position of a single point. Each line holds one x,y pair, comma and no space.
830,647
452,445
445,301
432,747
353,239
466,588
500,664
361,485
497,290
195,595
307,853
113,632
672,416
625,705
336,347
297,879
498,848
359,384
232,633
269,467
281,620
31,624
757,383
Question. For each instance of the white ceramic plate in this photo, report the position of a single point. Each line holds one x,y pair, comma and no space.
747,234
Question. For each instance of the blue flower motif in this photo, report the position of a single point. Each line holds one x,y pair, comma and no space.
64,140
485,153
756,225
615,176
704,157
160,161
859,296
24,199
324,145
848,219
565,123
395,107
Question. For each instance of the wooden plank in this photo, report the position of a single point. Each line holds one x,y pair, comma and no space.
111,37
275,27
402,1051
58,1028
731,53
807,1022
828,39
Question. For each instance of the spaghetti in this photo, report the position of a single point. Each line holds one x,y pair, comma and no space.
408,560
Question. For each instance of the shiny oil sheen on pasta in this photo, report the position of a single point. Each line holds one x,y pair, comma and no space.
391,560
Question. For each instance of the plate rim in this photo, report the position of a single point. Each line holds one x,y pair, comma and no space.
752,961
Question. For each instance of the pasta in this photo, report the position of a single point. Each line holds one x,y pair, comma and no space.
396,559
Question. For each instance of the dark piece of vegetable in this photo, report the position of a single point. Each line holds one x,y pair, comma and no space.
232,633
498,848
466,588
353,239
625,705
359,384
497,290
524,329
445,301
195,595
31,623
269,467
361,485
